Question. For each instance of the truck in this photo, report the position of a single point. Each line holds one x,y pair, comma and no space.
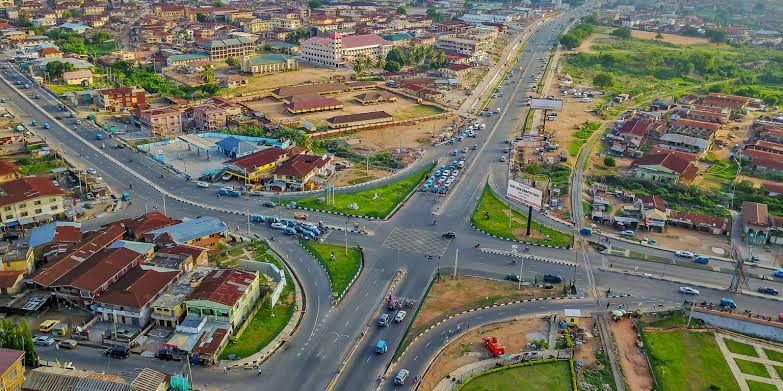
494,346
727,304
393,303
381,347
586,231
99,136
125,196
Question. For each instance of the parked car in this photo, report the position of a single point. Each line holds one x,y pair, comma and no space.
628,233
768,290
269,204
684,254
384,320
552,279
43,340
117,352
688,290
514,277
67,344
400,316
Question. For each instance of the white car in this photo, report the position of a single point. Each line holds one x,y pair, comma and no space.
502,158
628,233
202,184
685,254
400,316
688,290
43,340
91,171
278,225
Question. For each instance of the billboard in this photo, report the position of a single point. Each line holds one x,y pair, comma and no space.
524,194
546,104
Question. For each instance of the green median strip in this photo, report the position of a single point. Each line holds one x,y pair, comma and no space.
376,202
341,266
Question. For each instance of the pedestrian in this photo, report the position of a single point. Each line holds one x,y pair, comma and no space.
607,305
56,346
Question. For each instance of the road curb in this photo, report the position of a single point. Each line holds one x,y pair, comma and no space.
518,241
527,256
336,300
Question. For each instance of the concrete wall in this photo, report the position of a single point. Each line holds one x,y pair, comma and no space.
270,271
742,324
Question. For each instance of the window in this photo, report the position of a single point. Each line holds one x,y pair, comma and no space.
38,211
23,205
9,217
7,208
23,214
52,199
37,202
55,207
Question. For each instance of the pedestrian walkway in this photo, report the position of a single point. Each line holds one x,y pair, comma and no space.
762,358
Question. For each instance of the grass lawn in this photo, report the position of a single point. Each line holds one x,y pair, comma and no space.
62,88
344,266
676,319
264,327
752,368
491,216
774,355
585,131
417,111
388,197
759,386
684,360
540,377
740,348
39,166
779,370
721,171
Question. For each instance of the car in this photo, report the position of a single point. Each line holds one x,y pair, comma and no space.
117,352
465,150
552,279
514,277
269,204
43,340
400,316
688,290
67,344
384,320
91,171
684,254
47,126
628,233
474,147
702,259
449,235
401,376
503,159
119,146
768,290
278,226
202,184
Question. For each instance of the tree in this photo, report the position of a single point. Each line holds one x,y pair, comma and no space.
358,66
55,69
24,22
609,161
715,35
218,3
603,80
570,41
401,10
592,19
314,3
622,33
305,141
233,62
101,37
208,75
689,30
393,66
397,56
433,14
30,356
380,61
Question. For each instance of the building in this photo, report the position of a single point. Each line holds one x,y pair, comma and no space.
715,225
373,118
53,239
226,295
114,99
135,227
179,257
462,45
81,77
11,282
18,257
755,223
11,369
688,139
235,147
179,60
655,213
297,173
209,117
664,167
310,103
92,277
374,98
222,49
252,166
268,63
62,379
168,309
335,50
161,122
204,231
9,171
127,301
456,70
30,200
730,102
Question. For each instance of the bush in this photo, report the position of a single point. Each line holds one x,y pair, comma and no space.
622,32
609,161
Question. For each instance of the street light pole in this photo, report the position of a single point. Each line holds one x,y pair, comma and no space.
346,236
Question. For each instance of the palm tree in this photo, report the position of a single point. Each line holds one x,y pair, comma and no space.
358,66
380,61
208,75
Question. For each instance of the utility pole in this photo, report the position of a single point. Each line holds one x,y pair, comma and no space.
247,212
740,275
164,204
456,260
521,265
346,236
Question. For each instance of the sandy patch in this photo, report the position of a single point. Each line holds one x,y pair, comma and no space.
470,348
357,175
671,38
635,368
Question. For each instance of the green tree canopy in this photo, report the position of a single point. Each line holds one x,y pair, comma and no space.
233,62
715,35
101,37
401,10
603,80
622,32
393,66
314,3
55,69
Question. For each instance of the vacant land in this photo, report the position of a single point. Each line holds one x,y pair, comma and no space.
671,38
376,202
688,360
341,265
537,377
305,74
581,136
492,216
356,175
637,372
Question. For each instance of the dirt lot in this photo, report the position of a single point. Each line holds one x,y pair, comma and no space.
635,368
469,348
574,114
448,296
406,136
306,73
671,38
356,175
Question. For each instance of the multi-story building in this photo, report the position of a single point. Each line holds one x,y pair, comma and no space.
11,369
168,309
225,295
467,46
268,63
114,99
336,50
29,200
209,117
221,49
162,121
286,23
128,300
256,26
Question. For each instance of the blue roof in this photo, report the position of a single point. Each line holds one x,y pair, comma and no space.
192,229
74,26
235,145
45,233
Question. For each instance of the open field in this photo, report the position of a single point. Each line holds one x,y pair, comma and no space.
671,38
376,202
492,216
263,327
469,348
340,266
536,377
306,73
407,136
358,174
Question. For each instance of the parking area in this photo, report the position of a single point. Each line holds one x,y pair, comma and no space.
417,241
464,143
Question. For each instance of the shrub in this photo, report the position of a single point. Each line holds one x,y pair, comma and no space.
609,161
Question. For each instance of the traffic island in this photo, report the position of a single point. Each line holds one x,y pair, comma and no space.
494,217
342,264
375,203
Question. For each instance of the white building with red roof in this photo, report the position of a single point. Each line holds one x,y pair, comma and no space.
30,200
335,50
225,295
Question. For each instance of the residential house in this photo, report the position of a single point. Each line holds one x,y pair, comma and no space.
12,142
654,213
136,227
310,103
668,167
755,223
226,295
335,50
715,225
49,52
168,309
763,160
221,49
181,60
730,102
209,117
53,239
12,374
161,122
81,77
127,301
233,81
17,257
30,200
9,171
298,172
456,70
11,282
360,120
179,257
234,147
114,99
204,231
61,379
268,63
253,165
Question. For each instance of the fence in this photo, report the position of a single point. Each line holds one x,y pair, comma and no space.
270,270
